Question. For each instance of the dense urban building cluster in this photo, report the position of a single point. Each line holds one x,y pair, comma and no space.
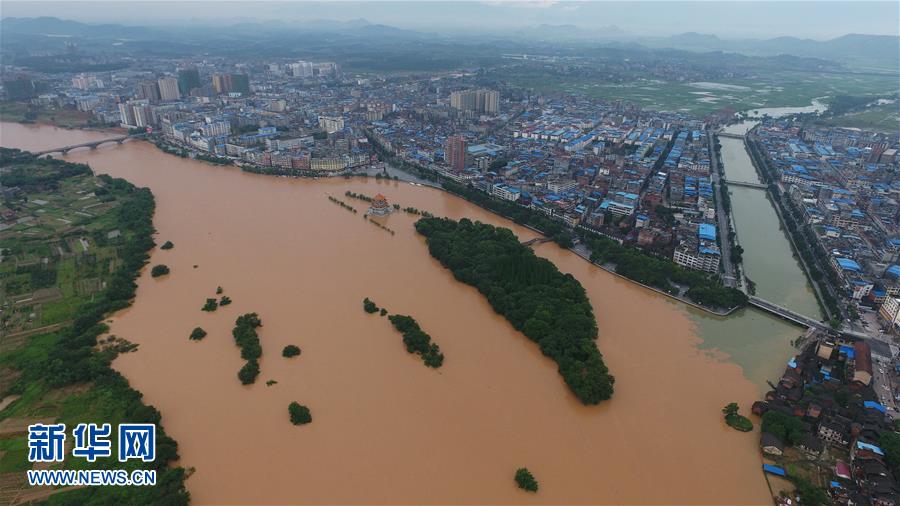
641,178
825,420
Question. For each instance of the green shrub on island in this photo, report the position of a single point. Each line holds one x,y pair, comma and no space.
383,311
167,245
290,351
549,307
246,338
300,414
369,306
159,270
249,372
417,341
197,334
225,300
211,305
218,290
342,204
525,480
736,420
271,382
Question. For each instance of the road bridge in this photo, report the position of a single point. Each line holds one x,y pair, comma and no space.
800,319
787,314
747,184
92,144
536,240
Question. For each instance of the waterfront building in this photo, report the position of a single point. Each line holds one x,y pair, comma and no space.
697,256
379,206
328,163
216,128
455,152
126,114
506,192
771,444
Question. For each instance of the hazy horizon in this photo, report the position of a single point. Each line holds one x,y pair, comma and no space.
726,19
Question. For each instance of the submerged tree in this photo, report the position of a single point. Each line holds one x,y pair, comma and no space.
525,480
300,414
159,270
249,372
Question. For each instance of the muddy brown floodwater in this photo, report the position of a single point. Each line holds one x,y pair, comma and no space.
387,429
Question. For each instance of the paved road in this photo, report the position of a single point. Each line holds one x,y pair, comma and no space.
728,277
883,384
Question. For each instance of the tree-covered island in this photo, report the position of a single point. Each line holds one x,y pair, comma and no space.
549,307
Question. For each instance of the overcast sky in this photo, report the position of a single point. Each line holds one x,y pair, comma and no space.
812,19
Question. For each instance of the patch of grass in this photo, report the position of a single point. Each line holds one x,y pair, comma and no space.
15,455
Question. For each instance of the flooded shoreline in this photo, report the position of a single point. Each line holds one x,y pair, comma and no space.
386,429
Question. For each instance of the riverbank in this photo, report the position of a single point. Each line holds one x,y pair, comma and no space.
68,119
62,372
441,183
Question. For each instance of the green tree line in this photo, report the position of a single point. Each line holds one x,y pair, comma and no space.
662,273
247,339
417,340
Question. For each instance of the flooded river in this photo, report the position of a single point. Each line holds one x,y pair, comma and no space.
387,429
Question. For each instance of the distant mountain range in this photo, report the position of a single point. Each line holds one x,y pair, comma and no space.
846,49
855,50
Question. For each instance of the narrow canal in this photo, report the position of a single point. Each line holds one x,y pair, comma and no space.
757,341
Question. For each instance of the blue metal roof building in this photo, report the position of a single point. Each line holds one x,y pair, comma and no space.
848,265
774,470
707,231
